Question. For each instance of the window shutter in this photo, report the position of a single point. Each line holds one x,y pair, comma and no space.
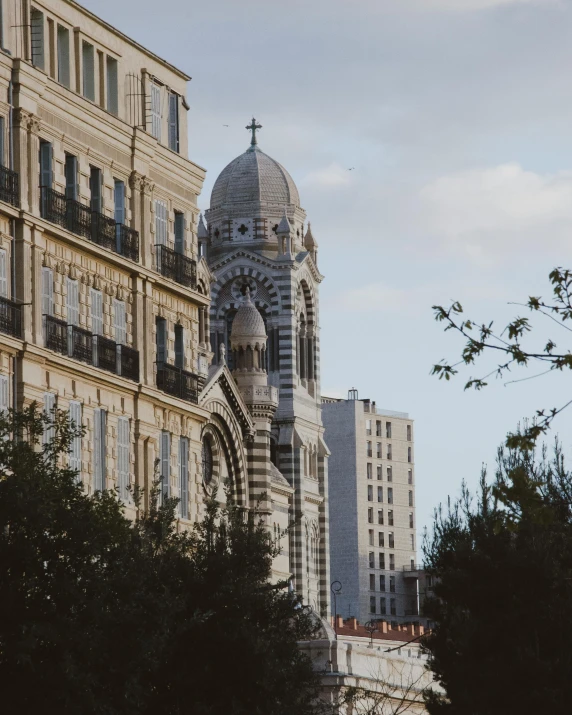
46,164
88,71
156,111
179,346
47,291
173,121
99,449
4,394
179,232
112,84
119,200
165,463
37,37
119,322
96,312
184,477
70,170
63,56
3,160
3,274
161,340
160,222
123,445
72,302
96,189
49,405
75,446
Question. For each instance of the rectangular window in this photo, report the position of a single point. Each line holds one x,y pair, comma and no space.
99,449
378,428
123,450
161,222
392,606
368,427
75,445
379,472
409,476
381,539
179,346
161,329
388,451
369,493
388,430
382,561
370,516
368,450
371,560
2,141
47,291
37,37
378,453
49,407
70,172
371,537
380,516
179,232
382,582
173,121
96,299
4,394
392,562
391,539
409,454
382,607
372,604
88,61
410,498
392,584
63,41
165,462
411,521
72,302
155,90
390,474
112,85
119,201
46,155
119,322
390,518
409,433
369,470
390,495
96,188
412,542
380,494
3,274
372,582
184,477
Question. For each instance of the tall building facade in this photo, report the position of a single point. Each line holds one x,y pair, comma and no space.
258,243
372,510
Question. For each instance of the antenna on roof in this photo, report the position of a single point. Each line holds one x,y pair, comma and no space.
353,394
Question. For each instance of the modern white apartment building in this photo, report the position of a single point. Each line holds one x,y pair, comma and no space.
372,509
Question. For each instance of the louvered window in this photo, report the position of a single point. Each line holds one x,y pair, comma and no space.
37,37
160,222
123,445
165,461
72,302
155,111
99,449
63,56
179,346
87,55
179,232
173,121
161,326
96,188
49,407
4,394
96,312
184,477
47,291
3,274
119,201
112,85
75,446
70,171
46,155
119,322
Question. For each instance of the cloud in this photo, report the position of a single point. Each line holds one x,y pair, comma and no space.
501,207
329,177
472,5
374,297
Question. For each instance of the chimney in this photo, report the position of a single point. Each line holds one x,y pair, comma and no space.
339,622
421,630
411,629
352,623
383,625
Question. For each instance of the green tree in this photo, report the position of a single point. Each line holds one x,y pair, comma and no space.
101,614
502,565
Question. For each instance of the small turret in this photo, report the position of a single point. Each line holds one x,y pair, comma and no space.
202,236
284,233
311,244
248,344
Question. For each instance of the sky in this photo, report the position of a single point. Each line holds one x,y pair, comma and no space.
431,142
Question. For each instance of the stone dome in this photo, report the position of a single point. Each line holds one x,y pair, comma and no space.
248,325
254,177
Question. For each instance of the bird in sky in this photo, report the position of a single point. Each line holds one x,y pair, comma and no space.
225,125
353,167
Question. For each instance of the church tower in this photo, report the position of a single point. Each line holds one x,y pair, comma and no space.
261,253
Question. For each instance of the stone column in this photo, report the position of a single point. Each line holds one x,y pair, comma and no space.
148,347
23,263
36,271
21,120
34,165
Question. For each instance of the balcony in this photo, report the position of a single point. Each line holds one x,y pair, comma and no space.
174,265
96,227
10,318
177,382
9,186
96,350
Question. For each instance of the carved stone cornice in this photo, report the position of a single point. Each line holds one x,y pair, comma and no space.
27,120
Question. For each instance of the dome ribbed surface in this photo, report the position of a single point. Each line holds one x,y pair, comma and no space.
248,322
254,176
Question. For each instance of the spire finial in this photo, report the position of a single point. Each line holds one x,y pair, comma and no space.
253,127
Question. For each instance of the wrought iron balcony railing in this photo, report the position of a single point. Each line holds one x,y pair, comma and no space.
81,220
9,186
174,265
10,318
96,350
177,382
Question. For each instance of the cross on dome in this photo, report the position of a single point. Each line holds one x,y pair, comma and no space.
252,128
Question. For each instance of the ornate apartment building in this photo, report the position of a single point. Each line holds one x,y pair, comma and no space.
105,297
372,510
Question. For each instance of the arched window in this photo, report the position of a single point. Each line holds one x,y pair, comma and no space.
207,462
